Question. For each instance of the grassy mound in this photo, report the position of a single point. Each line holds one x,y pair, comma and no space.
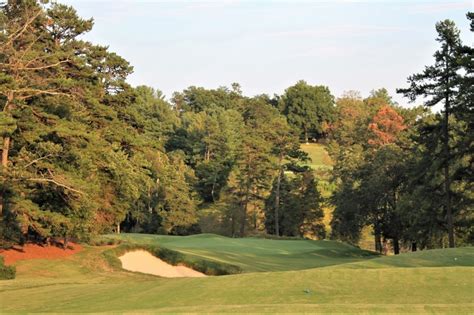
448,257
255,254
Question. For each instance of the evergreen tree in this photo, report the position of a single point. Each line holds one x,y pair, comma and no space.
440,83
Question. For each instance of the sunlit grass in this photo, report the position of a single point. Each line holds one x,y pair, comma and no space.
430,281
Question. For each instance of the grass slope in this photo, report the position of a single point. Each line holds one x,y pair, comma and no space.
84,283
320,158
256,254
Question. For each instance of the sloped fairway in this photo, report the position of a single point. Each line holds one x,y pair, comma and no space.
84,283
320,158
256,254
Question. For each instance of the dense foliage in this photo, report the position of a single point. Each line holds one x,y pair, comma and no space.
85,153
407,173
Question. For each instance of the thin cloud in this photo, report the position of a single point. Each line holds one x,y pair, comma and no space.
435,7
352,30
327,51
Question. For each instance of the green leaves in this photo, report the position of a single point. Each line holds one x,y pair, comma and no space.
7,124
308,108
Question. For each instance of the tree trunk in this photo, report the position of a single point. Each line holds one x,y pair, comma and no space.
277,199
232,218
213,188
447,179
413,246
396,246
5,152
447,183
306,135
118,228
244,211
378,241
5,149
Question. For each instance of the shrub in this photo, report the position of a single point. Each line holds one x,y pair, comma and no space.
6,272
212,268
102,241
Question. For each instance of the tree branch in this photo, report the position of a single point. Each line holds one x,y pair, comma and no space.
38,159
49,180
18,33
34,92
42,67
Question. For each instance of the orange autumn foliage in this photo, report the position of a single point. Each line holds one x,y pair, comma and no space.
385,126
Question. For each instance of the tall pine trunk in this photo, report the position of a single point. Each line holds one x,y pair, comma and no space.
244,211
5,153
277,197
447,179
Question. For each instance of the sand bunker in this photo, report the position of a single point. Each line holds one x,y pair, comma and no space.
143,261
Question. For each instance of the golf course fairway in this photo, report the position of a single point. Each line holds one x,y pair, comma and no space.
277,276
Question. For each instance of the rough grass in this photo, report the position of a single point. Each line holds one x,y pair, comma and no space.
424,282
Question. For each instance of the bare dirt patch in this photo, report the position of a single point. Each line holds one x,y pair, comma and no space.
143,261
33,251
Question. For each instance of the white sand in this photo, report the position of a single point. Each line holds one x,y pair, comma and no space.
143,261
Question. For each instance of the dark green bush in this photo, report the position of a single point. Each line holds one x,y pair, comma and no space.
102,241
170,256
212,268
6,272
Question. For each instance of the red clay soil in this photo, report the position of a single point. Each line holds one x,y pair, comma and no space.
33,251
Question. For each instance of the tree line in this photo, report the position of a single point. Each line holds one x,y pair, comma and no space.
85,153
407,173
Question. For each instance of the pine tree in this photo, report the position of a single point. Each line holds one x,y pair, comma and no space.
440,83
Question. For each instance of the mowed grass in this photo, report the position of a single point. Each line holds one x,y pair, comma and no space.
406,284
256,254
319,156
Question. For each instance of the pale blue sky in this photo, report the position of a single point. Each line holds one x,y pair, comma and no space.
267,46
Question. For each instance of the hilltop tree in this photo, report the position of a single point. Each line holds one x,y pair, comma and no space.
308,108
197,99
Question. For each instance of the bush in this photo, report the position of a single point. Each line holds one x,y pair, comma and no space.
6,272
212,268
102,241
